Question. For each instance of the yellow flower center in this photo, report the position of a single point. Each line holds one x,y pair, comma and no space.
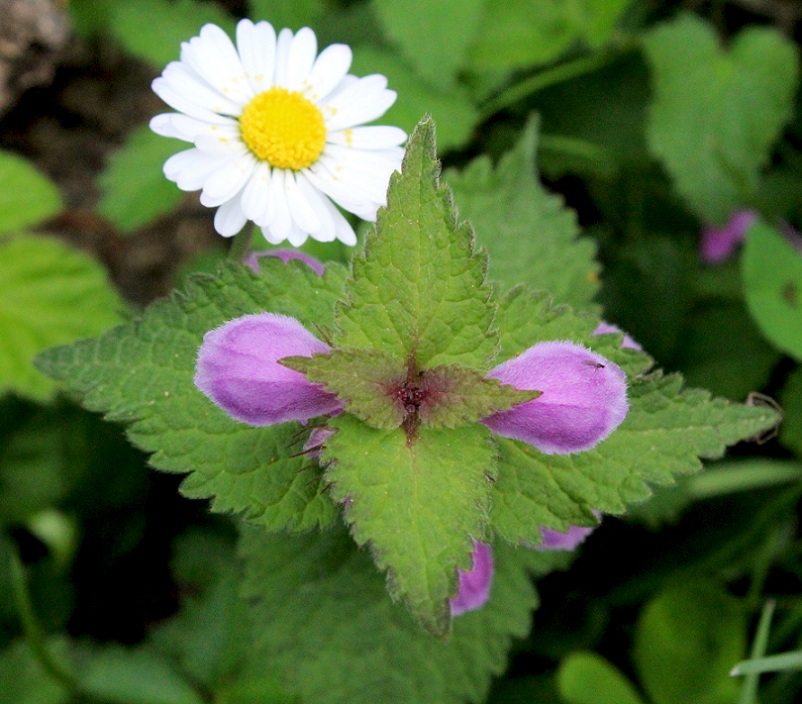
283,128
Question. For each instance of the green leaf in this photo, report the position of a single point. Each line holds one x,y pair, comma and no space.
418,291
50,294
455,113
772,279
154,29
287,13
519,33
531,236
24,679
133,189
417,502
791,401
378,390
587,678
416,27
323,619
695,629
715,113
670,426
26,196
142,374
134,676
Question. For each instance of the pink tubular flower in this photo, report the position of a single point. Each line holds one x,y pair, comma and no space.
584,398
606,328
719,243
474,585
570,540
238,369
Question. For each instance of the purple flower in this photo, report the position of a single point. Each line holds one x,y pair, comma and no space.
584,398
606,328
285,255
719,243
238,368
570,540
474,585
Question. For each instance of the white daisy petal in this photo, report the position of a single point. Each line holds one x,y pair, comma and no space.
374,137
301,211
256,195
257,50
365,108
318,201
281,222
227,181
216,61
190,168
283,46
221,141
343,230
186,83
178,102
229,218
296,236
301,58
329,70
248,158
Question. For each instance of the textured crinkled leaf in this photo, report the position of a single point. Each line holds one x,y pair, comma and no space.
133,190
716,113
416,27
50,295
26,195
372,386
663,436
530,235
525,318
418,290
452,109
323,618
772,279
418,504
154,29
363,379
142,374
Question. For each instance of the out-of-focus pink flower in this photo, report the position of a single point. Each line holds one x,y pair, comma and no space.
474,584
584,398
607,328
238,368
252,260
719,243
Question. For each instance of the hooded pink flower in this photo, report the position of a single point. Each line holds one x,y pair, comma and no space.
719,243
238,369
474,584
584,398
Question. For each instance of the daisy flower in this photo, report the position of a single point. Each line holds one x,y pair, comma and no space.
276,132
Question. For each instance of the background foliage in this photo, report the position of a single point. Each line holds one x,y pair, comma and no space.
606,135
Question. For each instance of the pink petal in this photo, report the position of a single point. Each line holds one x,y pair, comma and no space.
285,255
719,243
584,398
570,540
238,369
474,585
606,328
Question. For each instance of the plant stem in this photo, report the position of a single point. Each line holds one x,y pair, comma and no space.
242,244
33,629
552,76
